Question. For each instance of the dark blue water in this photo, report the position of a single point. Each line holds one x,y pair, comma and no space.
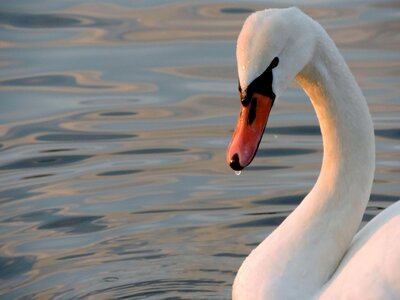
114,120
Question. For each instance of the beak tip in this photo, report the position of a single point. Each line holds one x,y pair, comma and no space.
234,163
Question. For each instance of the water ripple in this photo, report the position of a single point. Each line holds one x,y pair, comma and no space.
52,131
295,130
270,221
40,21
391,133
49,219
75,224
383,198
119,172
236,10
267,168
82,81
153,151
152,288
117,113
83,137
282,200
35,216
76,256
50,80
36,176
13,194
11,266
283,152
44,161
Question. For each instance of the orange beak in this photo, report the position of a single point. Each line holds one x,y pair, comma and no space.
249,131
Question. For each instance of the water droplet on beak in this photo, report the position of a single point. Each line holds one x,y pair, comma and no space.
238,173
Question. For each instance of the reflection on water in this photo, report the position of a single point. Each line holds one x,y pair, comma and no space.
114,119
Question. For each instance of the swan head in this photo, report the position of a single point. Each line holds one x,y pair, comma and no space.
273,46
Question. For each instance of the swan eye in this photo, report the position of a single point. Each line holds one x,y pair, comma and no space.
245,99
274,63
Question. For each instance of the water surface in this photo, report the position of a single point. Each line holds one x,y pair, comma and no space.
114,120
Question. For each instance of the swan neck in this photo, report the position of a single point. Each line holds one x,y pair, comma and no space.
346,125
338,200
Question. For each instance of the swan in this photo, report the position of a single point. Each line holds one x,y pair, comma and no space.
316,253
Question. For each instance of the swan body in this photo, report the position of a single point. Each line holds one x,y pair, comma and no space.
316,253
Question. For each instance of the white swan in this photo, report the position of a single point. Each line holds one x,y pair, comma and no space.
315,253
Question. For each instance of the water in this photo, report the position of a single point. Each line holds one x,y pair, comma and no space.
114,120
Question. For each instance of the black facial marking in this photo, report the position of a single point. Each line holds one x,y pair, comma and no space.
253,110
261,85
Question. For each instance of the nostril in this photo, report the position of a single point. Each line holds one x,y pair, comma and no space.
234,163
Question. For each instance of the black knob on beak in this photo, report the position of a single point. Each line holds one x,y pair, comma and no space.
234,163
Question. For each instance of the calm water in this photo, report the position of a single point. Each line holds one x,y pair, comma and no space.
114,120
